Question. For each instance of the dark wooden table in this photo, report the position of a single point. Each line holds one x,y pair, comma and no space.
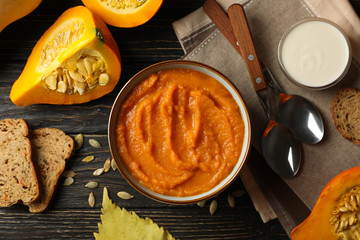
70,216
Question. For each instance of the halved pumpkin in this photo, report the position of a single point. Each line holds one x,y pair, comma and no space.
336,214
12,10
75,61
124,13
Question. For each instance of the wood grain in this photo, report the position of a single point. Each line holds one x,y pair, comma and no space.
243,35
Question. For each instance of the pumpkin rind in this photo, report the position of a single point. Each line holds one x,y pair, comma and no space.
124,17
94,36
13,10
320,224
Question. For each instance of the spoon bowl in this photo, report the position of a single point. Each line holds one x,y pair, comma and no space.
281,150
301,117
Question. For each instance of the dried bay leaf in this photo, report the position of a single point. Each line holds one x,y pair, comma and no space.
119,224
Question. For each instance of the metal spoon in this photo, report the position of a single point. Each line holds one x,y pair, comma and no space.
299,115
280,148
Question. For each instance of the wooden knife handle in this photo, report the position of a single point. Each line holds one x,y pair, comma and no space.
243,35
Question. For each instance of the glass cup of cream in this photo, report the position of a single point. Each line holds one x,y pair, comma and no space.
314,53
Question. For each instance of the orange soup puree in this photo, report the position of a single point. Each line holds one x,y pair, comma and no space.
179,132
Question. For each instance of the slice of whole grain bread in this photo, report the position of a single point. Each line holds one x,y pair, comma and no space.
51,150
345,110
18,179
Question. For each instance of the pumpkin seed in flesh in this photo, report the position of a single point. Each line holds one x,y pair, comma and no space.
94,143
132,4
68,174
78,76
125,195
113,165
107,165
88,159
213,207
91,199
51,82
92,184
346,214
201,203
79,141
81,68
61,87
68,181
98,172
103,79
88,66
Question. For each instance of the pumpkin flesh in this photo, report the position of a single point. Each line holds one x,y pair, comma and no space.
10,11
124,13
69,63
336,214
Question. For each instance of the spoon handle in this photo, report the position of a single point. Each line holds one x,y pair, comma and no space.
243,35
216,13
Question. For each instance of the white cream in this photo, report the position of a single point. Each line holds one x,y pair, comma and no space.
315,53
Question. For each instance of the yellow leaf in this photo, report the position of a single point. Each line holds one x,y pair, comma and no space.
117,223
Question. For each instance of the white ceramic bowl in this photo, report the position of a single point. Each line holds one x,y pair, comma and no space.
173,64
314,53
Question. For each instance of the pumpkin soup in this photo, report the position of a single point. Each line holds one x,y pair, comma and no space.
179,132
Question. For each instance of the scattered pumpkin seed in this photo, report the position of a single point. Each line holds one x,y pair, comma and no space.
124,195
92,184
88,159
68,181
79,141
213,207
113,165
231,200
94,143
107,165
201,203
91,199
238,193
98,172
68,173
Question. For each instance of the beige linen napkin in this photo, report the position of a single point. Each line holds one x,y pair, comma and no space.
268,20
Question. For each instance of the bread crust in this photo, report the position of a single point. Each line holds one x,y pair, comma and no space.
18,178
52,149
345,111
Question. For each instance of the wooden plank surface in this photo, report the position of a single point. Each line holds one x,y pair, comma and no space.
70,216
